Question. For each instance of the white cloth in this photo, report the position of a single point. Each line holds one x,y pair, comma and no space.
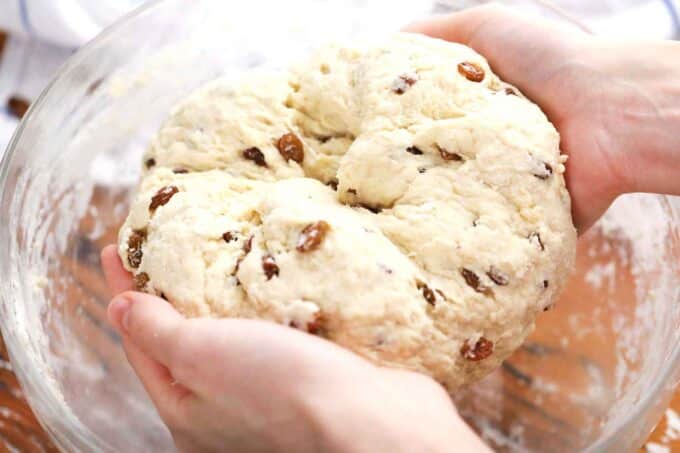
45,32
66,23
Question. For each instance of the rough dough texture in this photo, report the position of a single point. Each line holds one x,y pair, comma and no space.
449,230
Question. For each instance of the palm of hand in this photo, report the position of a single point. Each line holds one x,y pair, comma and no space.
553,68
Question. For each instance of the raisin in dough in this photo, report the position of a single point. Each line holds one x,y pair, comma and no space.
396,198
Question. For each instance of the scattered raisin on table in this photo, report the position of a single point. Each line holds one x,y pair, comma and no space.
150,162
269,266
162,197
229,236
497,276
471,71
291,148
479,351
312,236
134,249
255,155
17,106
414,150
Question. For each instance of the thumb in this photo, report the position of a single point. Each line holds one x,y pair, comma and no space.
149,322
521,50
146,324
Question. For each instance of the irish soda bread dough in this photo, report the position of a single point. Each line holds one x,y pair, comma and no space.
398,199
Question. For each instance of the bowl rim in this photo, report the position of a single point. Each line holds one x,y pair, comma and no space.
70,441
664,377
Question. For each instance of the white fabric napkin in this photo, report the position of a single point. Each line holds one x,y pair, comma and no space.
66,23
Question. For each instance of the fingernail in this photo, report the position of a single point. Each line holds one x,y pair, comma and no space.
120,311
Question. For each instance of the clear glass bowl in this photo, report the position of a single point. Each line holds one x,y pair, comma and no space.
594,376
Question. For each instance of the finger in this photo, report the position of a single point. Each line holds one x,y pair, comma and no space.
117,277
166,394
149,322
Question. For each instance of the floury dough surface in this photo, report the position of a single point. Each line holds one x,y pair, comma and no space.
398,199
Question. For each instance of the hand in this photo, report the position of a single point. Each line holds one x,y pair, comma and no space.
246,385
615,104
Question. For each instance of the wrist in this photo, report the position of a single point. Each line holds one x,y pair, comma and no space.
388,414
643,124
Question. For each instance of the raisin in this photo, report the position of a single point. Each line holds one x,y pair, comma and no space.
404,82
229,236
428,294
414,150
269,266
333,183
134,249
180,171
497,276
471,71
140,281
162,197
548,307
255,155
17,106
422,170
312,236
480,351
373,209
536,237
317,325
248,245
447,155
543,171
385,268
510,91
151,162
291,147
473,281
545,284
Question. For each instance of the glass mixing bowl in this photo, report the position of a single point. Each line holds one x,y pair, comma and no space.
595,375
